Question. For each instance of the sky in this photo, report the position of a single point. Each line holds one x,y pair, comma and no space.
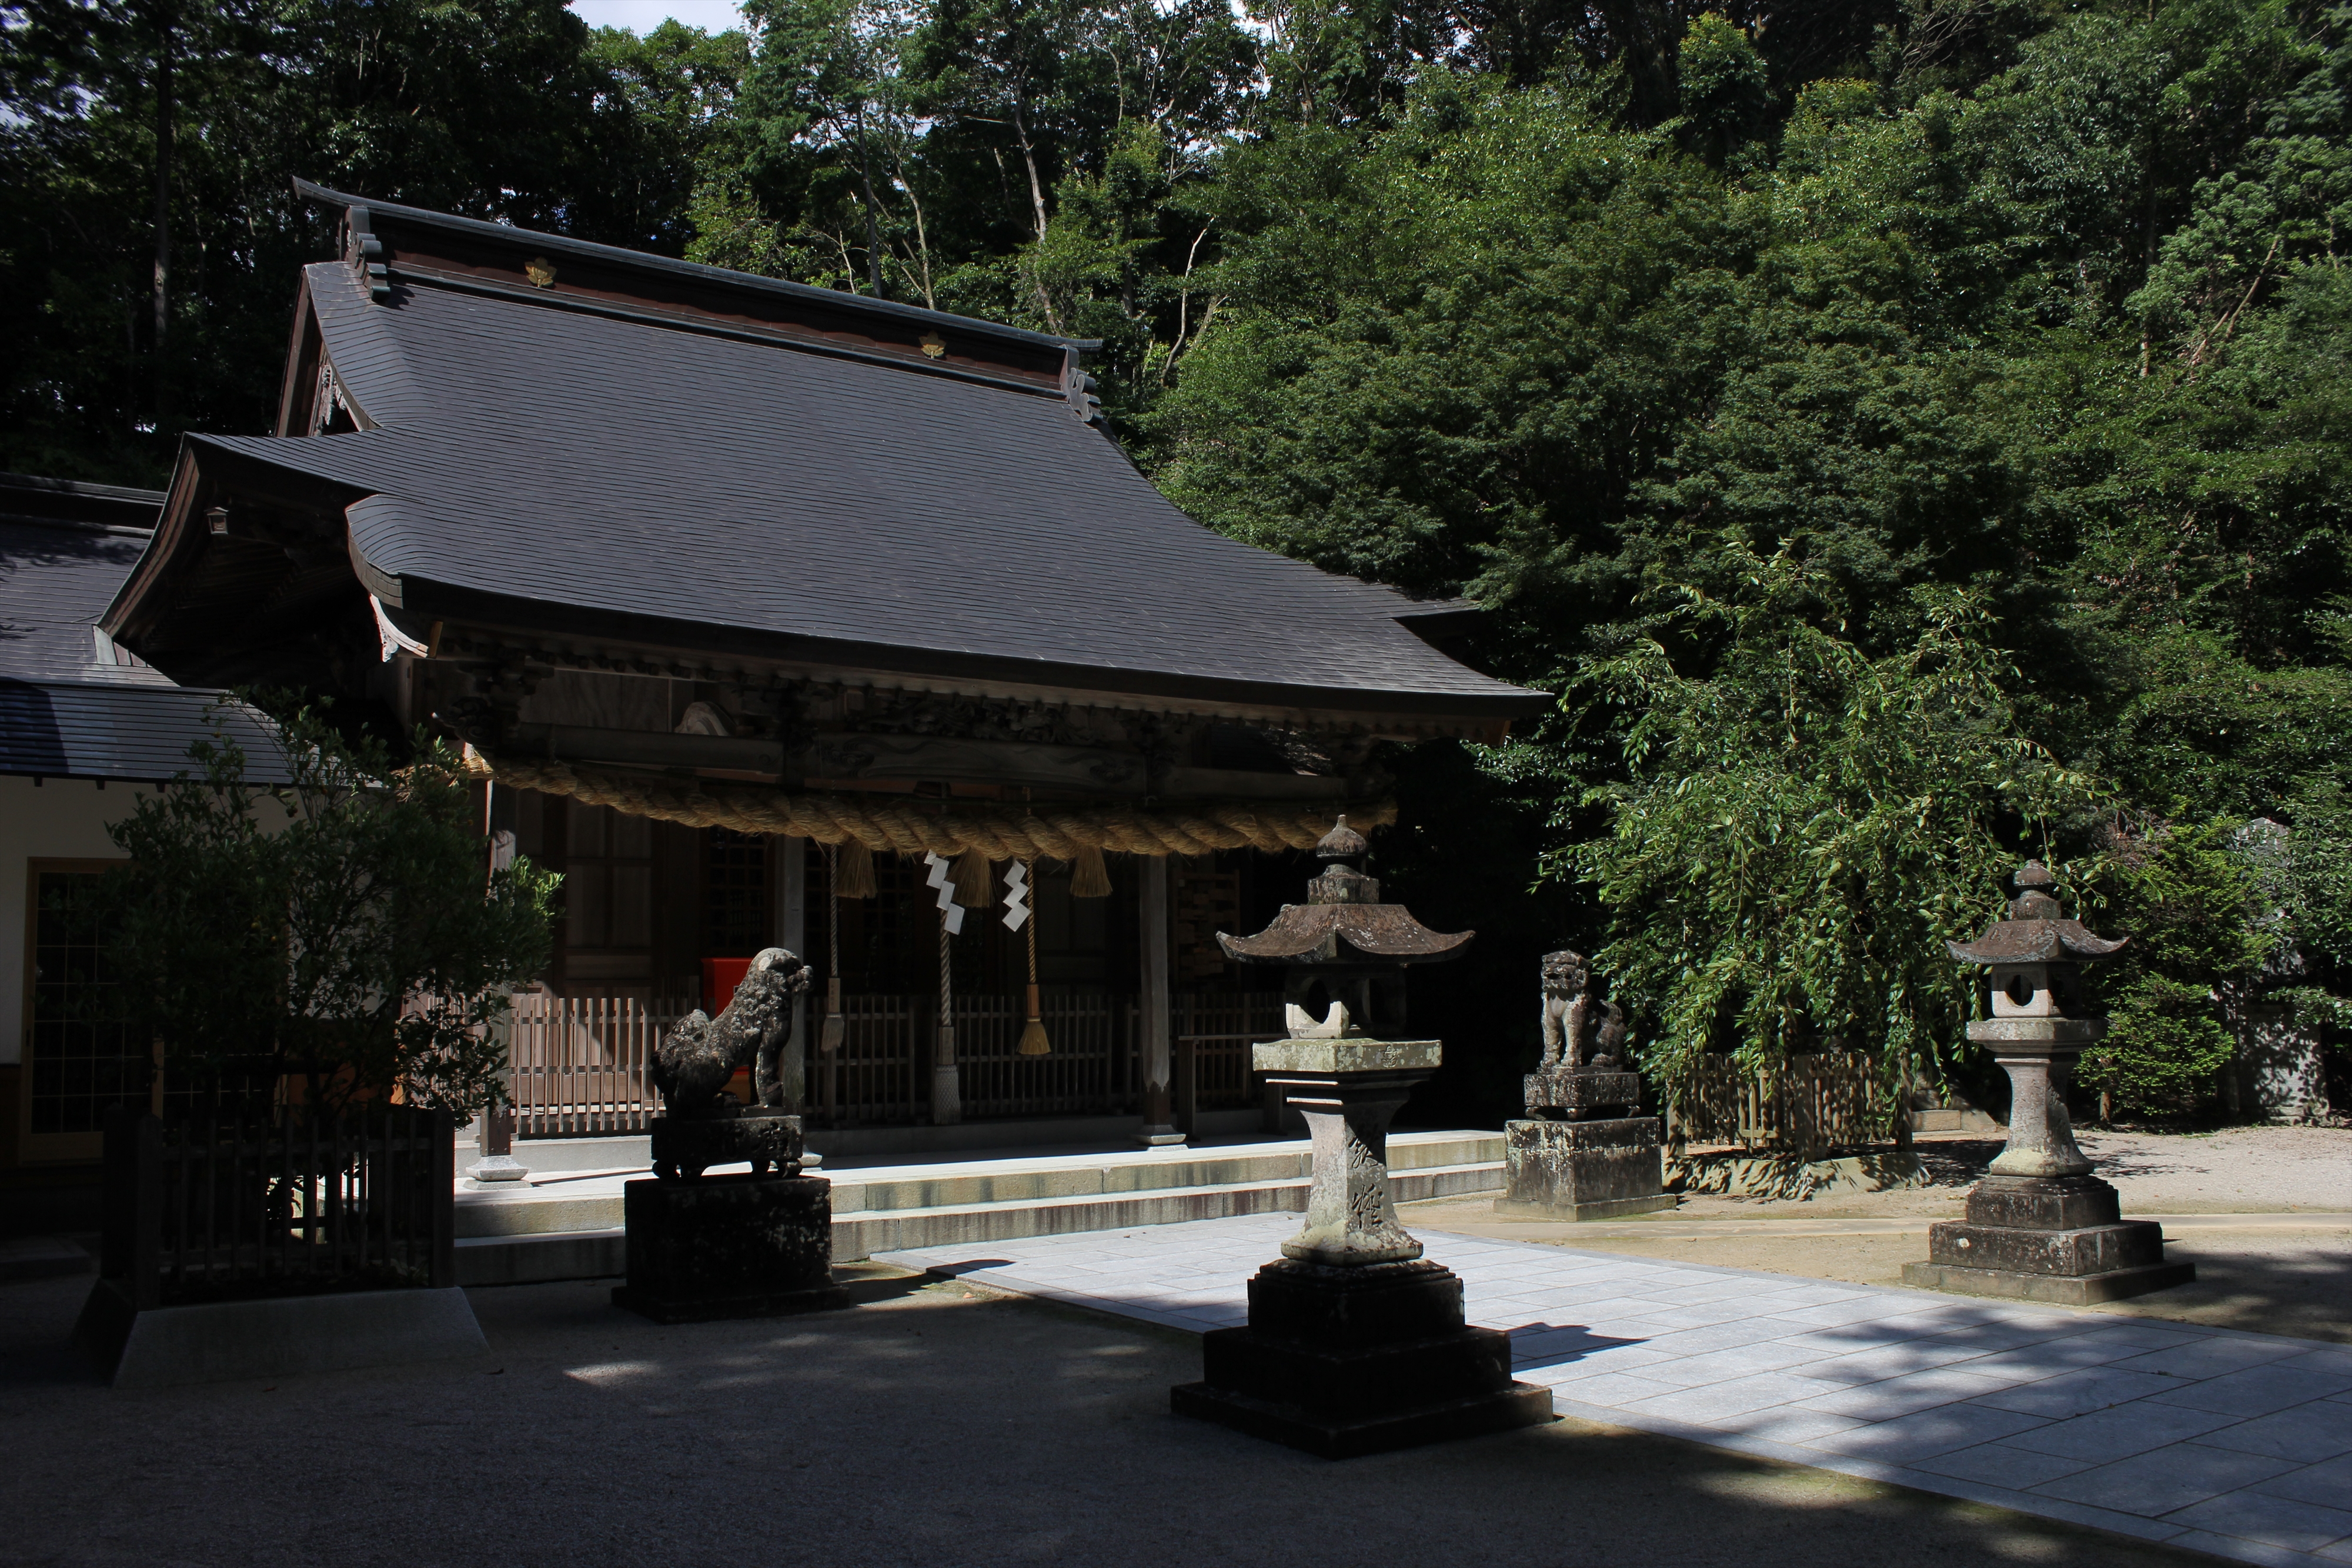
644,15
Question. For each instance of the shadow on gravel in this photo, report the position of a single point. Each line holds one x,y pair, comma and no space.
2261,1282
1957,1162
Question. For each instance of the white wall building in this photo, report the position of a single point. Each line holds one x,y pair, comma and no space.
85,730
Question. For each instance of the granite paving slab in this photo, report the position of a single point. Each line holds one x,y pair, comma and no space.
2231,1443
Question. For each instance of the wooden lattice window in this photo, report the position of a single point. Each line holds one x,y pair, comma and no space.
1207,902
734,893
80,1057
608,878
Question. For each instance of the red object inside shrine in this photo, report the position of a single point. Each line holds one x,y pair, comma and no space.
720,978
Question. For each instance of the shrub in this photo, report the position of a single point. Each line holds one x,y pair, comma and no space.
343,929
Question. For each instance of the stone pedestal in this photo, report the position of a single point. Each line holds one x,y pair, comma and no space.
2047,1238
728,1247
2040,1226
1582,1095
686,1146
1356,1345
497,1167
1583,1170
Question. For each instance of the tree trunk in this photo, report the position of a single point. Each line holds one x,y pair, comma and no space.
1029,159
873,231
163,205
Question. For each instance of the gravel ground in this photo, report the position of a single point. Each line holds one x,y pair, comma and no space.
2270,1278
934,1425
2239,1170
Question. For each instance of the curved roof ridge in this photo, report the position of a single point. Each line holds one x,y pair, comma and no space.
623,257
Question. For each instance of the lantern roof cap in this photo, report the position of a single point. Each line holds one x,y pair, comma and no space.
1343,921
2036,929
1341,843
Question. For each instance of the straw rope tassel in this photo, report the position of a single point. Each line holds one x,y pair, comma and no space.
1033,1040
857,870
836,1027
1089,878
972,878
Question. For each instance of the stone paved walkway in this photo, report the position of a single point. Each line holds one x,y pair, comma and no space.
2234,1444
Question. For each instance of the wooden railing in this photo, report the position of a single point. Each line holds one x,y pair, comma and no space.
1804,1104
1089,1071
203,1208
579,1064
1214,1035
881,1076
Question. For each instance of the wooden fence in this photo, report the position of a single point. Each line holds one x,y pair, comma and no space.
881,1075
1214,1032
1089,1071
207,1207
579,1064
1806,1103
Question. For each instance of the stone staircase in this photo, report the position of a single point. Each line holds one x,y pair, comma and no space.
567,1225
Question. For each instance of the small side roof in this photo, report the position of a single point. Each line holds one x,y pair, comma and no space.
72,705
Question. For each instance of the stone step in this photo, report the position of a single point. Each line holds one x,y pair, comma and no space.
871,1146
593,1202
511,1242
858,1234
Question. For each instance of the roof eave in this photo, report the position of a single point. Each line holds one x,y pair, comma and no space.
424,598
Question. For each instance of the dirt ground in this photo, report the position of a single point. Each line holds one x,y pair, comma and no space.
934,1426
2284,1268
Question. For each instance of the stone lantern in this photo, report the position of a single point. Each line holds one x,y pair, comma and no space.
1356,1343
2040,1226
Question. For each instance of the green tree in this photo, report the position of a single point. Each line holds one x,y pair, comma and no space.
1802,825
2198,948
346,927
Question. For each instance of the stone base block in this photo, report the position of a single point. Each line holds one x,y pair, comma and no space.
2047,1238
1341,1362
2044,1203
1356,1383
689,1145
1380,1303
1583,1170
2069,1254
1576,1096
1521,1405
281,1336
728,1247
2058,1289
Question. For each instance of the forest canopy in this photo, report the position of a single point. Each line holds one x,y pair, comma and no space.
1908,435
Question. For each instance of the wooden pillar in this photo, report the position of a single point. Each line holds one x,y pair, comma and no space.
1158,1005
791,923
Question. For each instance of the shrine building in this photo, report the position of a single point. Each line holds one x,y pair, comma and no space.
747,597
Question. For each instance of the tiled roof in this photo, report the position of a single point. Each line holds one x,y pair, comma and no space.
68,708
111,730
597,465
55,579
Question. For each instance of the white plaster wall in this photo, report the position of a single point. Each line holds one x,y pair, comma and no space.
62,819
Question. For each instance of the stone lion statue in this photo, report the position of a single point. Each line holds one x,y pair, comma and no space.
1569,1014
1567,985
701,1053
